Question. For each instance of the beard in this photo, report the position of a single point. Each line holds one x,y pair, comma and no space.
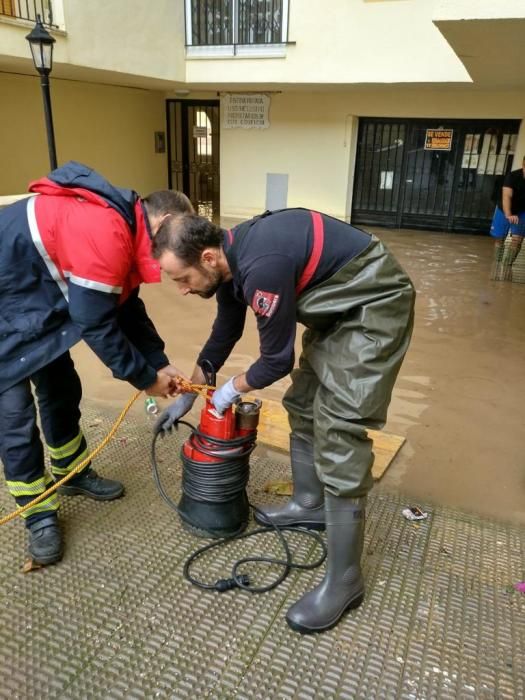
214,281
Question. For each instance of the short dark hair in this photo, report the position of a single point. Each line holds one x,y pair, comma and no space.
186,236
167,202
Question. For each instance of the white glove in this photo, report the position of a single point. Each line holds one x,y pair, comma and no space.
224,397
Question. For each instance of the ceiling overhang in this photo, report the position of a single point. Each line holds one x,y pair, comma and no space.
487,37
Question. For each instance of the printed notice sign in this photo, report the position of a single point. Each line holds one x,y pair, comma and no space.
245,111
438,139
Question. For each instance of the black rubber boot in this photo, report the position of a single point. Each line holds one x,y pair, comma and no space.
89,483
306,507
45,543
342,587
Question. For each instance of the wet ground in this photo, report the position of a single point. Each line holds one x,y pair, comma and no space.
441,617
460,396
116,620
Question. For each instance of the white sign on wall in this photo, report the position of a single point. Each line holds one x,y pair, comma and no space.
245,111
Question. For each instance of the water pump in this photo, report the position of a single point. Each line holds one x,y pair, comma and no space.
214,502
216,469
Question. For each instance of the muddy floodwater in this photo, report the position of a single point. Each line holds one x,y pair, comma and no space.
460,396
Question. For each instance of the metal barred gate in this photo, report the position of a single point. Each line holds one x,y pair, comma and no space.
193,153
438,174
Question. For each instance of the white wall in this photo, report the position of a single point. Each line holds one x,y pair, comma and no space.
478,9
347,41
312,139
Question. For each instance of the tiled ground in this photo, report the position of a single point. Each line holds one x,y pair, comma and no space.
116,619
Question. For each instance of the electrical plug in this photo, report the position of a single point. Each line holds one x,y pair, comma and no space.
227,584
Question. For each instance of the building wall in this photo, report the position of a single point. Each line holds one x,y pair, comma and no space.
478,9
142,38
109,128
347,41
121,37
312,139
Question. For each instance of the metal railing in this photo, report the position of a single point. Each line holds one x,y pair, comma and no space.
227,22
28,10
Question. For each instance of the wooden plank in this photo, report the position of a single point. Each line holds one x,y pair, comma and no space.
274,431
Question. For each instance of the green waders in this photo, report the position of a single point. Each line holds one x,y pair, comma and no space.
359,324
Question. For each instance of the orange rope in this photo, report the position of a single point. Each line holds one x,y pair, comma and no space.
187,387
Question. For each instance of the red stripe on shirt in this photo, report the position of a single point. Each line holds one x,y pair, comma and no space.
315,255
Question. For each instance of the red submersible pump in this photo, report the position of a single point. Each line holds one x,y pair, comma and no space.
216,468
214,502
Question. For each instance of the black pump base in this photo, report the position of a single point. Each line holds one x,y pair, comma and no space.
215,520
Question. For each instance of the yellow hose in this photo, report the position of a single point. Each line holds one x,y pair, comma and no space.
79,466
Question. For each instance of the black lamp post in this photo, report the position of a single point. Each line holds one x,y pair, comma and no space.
41,43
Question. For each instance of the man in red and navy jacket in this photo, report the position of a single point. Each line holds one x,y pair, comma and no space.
357,305
72,257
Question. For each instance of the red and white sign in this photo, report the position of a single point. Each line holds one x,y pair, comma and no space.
264,303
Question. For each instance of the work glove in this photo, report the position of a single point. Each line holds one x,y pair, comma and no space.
171,415
224,397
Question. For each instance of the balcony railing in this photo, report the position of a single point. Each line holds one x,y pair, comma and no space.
236,22
28,10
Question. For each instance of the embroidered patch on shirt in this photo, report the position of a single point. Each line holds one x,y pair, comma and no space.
264,303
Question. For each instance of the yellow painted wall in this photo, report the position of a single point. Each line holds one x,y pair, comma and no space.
311,137
120,36
142,38
109,128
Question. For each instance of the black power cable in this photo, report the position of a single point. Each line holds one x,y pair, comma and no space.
210,481
223,478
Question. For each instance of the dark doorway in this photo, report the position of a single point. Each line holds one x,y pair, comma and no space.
432,174
193,153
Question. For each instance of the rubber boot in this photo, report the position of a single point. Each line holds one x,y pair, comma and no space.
306,507
497,272
89,483
342,587
509,256
45,543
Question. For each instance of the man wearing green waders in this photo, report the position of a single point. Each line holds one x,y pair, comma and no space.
357,304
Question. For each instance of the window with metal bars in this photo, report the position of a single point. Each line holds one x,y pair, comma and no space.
236,22
28,10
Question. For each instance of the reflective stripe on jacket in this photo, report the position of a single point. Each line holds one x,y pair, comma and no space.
71,261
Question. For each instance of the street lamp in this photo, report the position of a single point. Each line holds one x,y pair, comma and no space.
41,43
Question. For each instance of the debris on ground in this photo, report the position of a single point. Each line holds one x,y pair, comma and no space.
30,565
279,487
414,513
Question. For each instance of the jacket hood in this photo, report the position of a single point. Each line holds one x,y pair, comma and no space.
147,268
74,179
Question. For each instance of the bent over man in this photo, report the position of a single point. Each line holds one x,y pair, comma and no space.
357,305
71,262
